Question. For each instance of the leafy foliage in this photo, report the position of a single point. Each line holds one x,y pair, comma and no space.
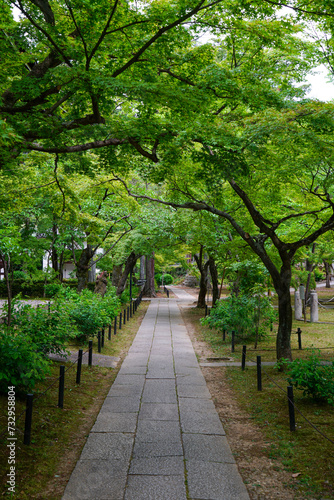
166,279
88,311
312,377
247,316
48,327
22,364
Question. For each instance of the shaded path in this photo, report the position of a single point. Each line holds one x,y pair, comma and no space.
158,433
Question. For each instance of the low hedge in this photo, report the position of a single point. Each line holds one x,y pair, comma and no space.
35,288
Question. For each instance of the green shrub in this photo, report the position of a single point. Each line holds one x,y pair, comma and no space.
89,311
19,275
318,275
49,328
51,289
246,316
166,279
312,377
21,363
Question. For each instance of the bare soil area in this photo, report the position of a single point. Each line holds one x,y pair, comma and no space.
265,479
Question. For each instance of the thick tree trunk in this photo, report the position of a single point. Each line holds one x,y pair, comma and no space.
328,274
129,265
283,342
92,272
214,279
116,275
203,283
142,274
149,288
82,267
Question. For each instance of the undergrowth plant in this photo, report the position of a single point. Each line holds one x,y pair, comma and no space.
248,316
311,376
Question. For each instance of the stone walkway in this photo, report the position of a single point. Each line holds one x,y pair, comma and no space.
158,435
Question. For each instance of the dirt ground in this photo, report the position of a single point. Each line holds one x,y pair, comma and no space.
265,479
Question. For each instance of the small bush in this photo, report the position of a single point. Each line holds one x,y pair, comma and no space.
49,328
51,289
246,316
166,279
312,377
89,311
21,363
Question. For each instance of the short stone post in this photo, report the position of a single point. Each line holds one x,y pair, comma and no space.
298,306
314,306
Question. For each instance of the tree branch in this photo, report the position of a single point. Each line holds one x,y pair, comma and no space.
77,148
158,34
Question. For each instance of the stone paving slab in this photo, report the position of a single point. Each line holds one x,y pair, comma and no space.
207,448
156,488
159,411
158,448
214,481
157,466
158,435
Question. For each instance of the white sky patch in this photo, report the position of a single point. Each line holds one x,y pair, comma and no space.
321,88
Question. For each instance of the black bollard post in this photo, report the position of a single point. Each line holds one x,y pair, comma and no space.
120,321
291,409
206,310
131,309
61,386
79,366
233,342
224,334
243,361
167,293
299,333
90,353
99,342
259,373
102,338
115,325
28,421
124,316
109,332
128,313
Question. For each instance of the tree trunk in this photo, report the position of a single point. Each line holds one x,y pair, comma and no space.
129,265
283,344
149,288
116,275
142,274
328,274
214,279
92,272
82,268
203,283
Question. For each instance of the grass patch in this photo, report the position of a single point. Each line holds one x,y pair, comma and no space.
314,336
58,435
304,451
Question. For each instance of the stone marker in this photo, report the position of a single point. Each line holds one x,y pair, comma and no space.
314,306
298,306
